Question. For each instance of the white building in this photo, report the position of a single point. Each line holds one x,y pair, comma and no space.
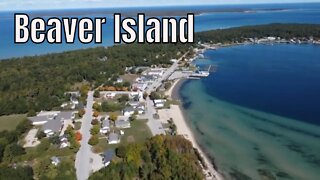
156,72
113,138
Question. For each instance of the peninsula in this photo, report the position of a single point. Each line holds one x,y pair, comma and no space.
94,106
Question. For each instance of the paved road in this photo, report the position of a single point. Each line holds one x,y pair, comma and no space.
155,125
82,163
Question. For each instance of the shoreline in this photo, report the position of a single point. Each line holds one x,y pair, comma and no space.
179,118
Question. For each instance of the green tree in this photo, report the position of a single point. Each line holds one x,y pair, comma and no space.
121,151
96,94
94,140
31,113
123,98
95,130
113,117
12,151
96,106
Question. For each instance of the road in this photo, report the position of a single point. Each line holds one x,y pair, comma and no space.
82,162
155,125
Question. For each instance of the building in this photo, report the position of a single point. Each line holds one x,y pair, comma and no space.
105,126
55,160
107,157
51,122
128,111
133,104
159,103
113,138
110,95
139,86
156,72
122,124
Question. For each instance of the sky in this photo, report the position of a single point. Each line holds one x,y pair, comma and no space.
68,4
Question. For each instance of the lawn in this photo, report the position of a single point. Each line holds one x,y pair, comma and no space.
10,122
138,132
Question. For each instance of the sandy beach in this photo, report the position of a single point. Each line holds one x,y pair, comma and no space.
176,114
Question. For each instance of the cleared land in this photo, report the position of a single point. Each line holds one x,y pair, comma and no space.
138,132
10,122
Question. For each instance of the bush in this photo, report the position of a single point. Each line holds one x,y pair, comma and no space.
97,107
94,122
81,112
94,140
123,98
121,151
31,113
96,114
41,135
96,94
113,116
78,136
95,130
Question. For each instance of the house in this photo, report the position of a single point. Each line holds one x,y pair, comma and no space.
139,86
159,103
55,160
136,96
140,109
156,72
113,138
110,95
105,126
51,121
121,123
134,104
128,111
107,157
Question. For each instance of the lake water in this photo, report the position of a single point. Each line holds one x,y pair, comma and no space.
260,14
258,115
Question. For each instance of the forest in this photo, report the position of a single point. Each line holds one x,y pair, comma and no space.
30,84
39,82
240,34
160,157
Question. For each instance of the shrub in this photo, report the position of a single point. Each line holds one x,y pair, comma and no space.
78,136
94,140
94,122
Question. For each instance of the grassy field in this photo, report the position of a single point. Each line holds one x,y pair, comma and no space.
138,132
10,122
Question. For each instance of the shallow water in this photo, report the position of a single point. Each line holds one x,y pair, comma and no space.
248,141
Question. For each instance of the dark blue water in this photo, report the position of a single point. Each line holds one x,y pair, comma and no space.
292,13
280,79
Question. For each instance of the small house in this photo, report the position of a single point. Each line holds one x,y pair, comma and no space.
122,124
128,111
107,157
113,138
105,126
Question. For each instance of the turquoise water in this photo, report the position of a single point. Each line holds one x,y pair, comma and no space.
258,115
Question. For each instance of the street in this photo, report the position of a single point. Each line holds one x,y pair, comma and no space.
82,162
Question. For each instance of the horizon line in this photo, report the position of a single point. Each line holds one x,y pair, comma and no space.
154,6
